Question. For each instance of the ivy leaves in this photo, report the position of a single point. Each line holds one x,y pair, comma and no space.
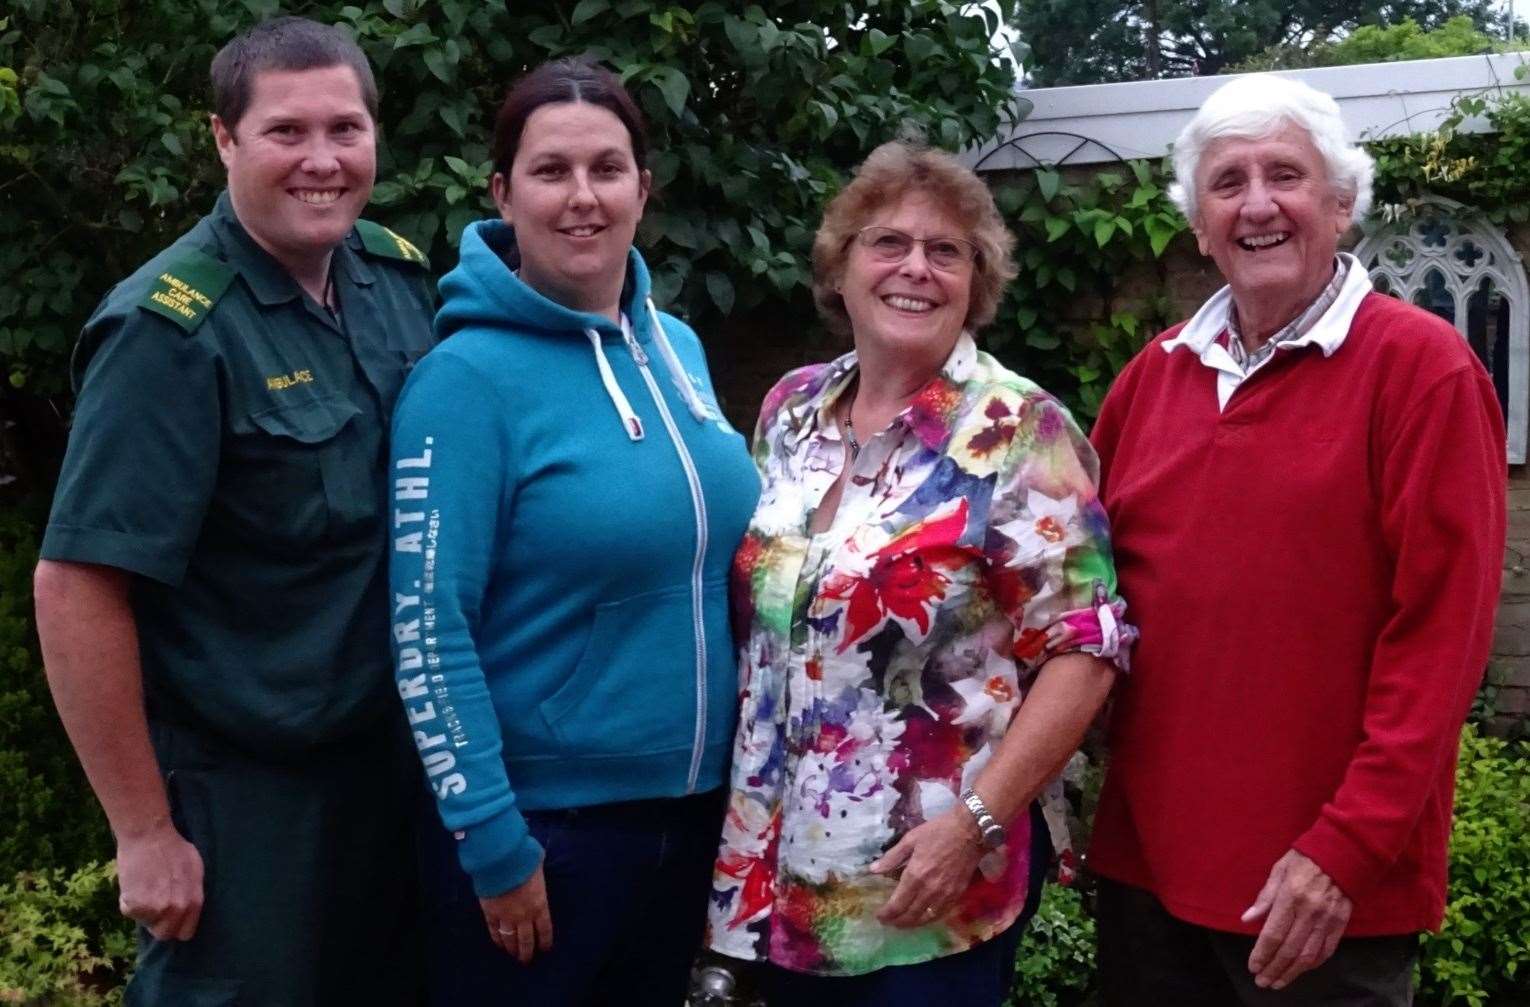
1067,322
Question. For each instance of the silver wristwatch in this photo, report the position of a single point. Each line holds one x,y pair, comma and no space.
991,833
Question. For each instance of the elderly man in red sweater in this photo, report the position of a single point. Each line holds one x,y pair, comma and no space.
1305,484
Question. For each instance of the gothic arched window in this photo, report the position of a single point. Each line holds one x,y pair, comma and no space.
1447,261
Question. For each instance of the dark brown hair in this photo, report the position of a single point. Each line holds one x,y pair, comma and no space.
576,79
284,44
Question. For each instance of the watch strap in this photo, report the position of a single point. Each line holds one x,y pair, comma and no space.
991,833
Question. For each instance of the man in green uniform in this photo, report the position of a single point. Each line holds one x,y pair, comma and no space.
212,596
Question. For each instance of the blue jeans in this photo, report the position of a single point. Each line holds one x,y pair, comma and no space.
627,888
979,977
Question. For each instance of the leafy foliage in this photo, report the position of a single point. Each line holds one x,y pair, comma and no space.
60,933
1055,964
48,817
1092,41
1481,956
757,111
95,137
1069,322
53,948
1406,40
1486,171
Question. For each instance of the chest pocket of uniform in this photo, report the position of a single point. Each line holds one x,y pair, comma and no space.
303,474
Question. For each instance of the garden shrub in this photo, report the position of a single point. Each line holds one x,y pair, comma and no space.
48,816
61,937
52,949
1481,957
1055,963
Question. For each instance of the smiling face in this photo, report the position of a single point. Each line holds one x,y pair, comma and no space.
1269,217
574,195
301,162
908,308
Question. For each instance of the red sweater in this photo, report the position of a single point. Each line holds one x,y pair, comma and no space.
1314,572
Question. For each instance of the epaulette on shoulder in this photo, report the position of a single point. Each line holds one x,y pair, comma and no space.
187,288
386,243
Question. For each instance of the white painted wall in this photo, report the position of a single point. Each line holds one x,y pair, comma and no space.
1142,118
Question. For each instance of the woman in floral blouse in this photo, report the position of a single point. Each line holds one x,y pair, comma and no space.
928,617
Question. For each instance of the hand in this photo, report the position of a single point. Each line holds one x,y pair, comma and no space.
938,859
519,921
1305,915
159,875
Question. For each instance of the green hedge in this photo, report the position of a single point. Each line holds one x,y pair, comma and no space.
48,817
1482,955
62,941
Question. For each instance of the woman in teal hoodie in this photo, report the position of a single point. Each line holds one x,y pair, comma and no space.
567,498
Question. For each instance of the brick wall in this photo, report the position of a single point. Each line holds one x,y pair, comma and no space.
1509,671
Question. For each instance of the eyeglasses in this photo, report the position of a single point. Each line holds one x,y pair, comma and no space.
888,244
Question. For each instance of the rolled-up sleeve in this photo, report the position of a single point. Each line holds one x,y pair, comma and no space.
1048,544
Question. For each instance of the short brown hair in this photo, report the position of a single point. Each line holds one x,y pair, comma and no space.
889,173
575,79
283,44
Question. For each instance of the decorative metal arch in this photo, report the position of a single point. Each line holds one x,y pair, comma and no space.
1442,256
1016,144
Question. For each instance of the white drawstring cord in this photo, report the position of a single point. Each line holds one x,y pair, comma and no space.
687,390
630,421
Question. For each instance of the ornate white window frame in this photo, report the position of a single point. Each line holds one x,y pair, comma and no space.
1445,238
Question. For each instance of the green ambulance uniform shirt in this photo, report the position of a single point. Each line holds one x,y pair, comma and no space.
229,447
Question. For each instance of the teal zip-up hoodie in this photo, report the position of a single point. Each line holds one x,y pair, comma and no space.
566,503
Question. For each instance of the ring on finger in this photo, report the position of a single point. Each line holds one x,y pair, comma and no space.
507,933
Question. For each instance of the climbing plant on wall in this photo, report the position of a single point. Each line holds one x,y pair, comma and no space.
1489,172
1091,289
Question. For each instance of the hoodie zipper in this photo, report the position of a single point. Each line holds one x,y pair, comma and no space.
699,506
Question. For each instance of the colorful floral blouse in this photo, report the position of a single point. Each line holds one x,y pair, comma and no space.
883,659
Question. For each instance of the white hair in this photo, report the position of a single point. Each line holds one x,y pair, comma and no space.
1259,105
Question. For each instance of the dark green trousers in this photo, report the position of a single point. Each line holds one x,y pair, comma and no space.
310,890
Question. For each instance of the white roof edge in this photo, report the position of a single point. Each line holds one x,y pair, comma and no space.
1141,118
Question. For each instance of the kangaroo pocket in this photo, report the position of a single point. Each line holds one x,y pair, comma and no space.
634,688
